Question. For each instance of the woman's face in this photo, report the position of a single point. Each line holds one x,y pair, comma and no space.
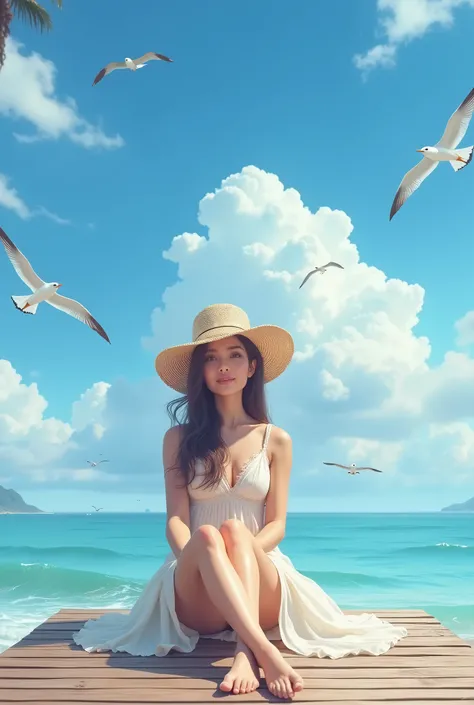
227,367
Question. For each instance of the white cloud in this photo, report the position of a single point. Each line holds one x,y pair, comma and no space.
11,199
38,103
305,354
401,21
465,329
382,55
333,388
375,453
463,448
89,410
27,437
361,388
360,371
33,444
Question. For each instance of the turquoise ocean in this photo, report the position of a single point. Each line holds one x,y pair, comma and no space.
364,561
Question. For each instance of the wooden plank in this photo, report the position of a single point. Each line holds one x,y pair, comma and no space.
65,647
129,695
431,665
201,683
157,673
416,660
408,642
65,628
82,617
327,676
381,612
300,698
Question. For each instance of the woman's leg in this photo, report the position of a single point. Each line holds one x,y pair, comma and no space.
262,585
193,604
205,556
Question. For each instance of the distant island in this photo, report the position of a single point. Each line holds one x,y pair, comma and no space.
467,506
12,503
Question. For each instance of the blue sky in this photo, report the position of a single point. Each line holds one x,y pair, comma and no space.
251,85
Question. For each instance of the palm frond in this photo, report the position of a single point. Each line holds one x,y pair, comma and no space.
33,13
5,19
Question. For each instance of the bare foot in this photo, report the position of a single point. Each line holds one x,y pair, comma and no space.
282,680
244,676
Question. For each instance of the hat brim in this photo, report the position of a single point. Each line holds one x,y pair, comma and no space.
275,345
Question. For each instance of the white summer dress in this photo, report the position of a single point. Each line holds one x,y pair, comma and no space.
310,622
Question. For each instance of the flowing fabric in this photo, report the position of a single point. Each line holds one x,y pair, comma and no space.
310,622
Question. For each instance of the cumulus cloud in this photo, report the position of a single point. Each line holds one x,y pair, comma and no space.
32,444
361,382
465,329
89,409
360,389
401,21
11,199
38,103
333,388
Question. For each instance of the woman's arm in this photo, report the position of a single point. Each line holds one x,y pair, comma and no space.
178,532
273,532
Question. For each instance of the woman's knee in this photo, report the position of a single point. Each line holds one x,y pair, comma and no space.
234,532
207,536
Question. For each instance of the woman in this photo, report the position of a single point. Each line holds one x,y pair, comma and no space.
227,475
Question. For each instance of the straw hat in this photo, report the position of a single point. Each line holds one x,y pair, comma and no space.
223,321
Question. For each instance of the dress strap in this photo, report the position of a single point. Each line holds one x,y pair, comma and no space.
267,435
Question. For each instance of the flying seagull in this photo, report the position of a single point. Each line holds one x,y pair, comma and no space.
352,468
320,269
94,463
444,151
97,509
131,64
44,291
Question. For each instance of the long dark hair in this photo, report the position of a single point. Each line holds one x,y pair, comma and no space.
199,419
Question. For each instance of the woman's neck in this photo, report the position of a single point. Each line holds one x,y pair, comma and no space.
231,411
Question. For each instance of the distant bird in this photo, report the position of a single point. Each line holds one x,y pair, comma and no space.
97,509
131,64
320,269
95,463
352,468
43,291
444,151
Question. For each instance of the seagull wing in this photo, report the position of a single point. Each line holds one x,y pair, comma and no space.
313,271
334,264
345,467
20,264
149,56
410,183
458,123
108,69
102,461
374,469
77,310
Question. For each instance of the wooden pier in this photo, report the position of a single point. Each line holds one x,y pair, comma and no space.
431,665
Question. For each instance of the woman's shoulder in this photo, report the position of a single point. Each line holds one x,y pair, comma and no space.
279,438
174,434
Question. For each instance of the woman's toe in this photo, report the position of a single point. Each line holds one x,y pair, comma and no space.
298,683
227,684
